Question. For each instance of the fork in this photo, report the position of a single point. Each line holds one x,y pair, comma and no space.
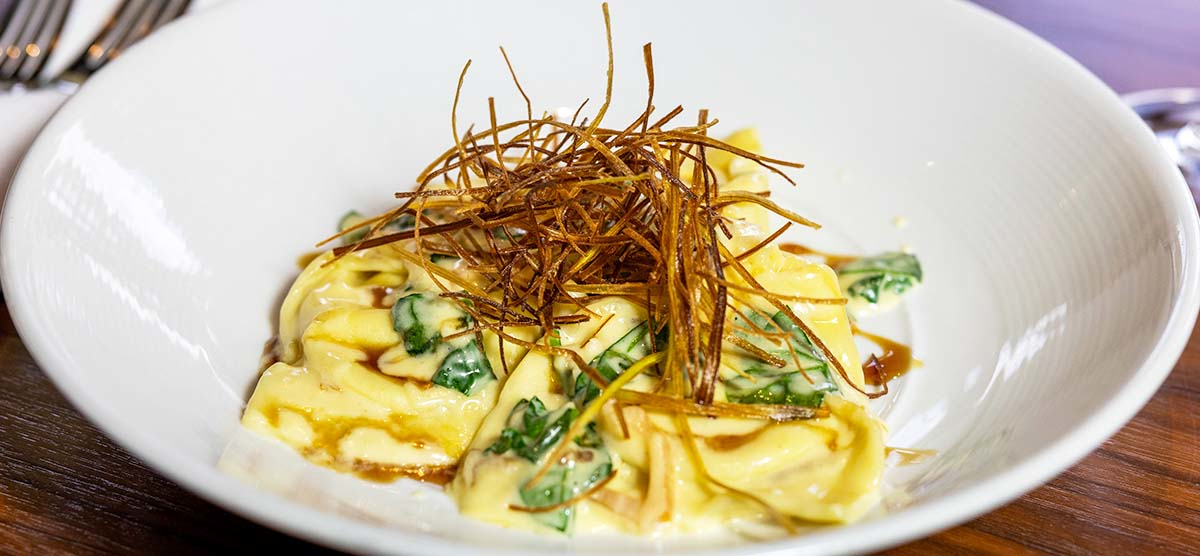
32,30
28,37
132,22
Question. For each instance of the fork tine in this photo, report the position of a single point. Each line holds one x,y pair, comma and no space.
135,20
12,30
8,8
16,51
101,49
39,50
173,10
141,27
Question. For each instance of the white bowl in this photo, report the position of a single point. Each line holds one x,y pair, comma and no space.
154,224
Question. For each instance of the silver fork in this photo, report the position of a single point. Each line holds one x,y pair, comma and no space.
34,25
133,21
29,36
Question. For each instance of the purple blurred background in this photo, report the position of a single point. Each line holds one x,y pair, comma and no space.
1130,44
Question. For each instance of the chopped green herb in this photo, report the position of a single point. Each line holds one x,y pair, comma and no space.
402,223
590,438
799,343
782,388
531,432
626,351
562,483
419,335
869,278
465,369
789,385
349,220
662,338
550,491
809,357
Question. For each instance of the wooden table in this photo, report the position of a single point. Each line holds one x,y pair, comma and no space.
65,488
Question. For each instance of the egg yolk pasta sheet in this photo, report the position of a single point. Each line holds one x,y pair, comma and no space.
355,390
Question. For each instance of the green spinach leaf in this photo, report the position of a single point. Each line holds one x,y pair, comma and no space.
419,335
804,385
613,361
465,369
871,277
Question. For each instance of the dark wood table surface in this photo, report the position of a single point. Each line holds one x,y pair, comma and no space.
65,488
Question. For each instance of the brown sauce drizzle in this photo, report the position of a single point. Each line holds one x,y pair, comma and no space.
895,360
729,442
270,354
329,433
422,384
384,473
372,362
372,358
556,384
833,260
378,294
909,456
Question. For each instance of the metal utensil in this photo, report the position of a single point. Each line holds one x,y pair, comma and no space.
1174,116
131,23
32,27
28,37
